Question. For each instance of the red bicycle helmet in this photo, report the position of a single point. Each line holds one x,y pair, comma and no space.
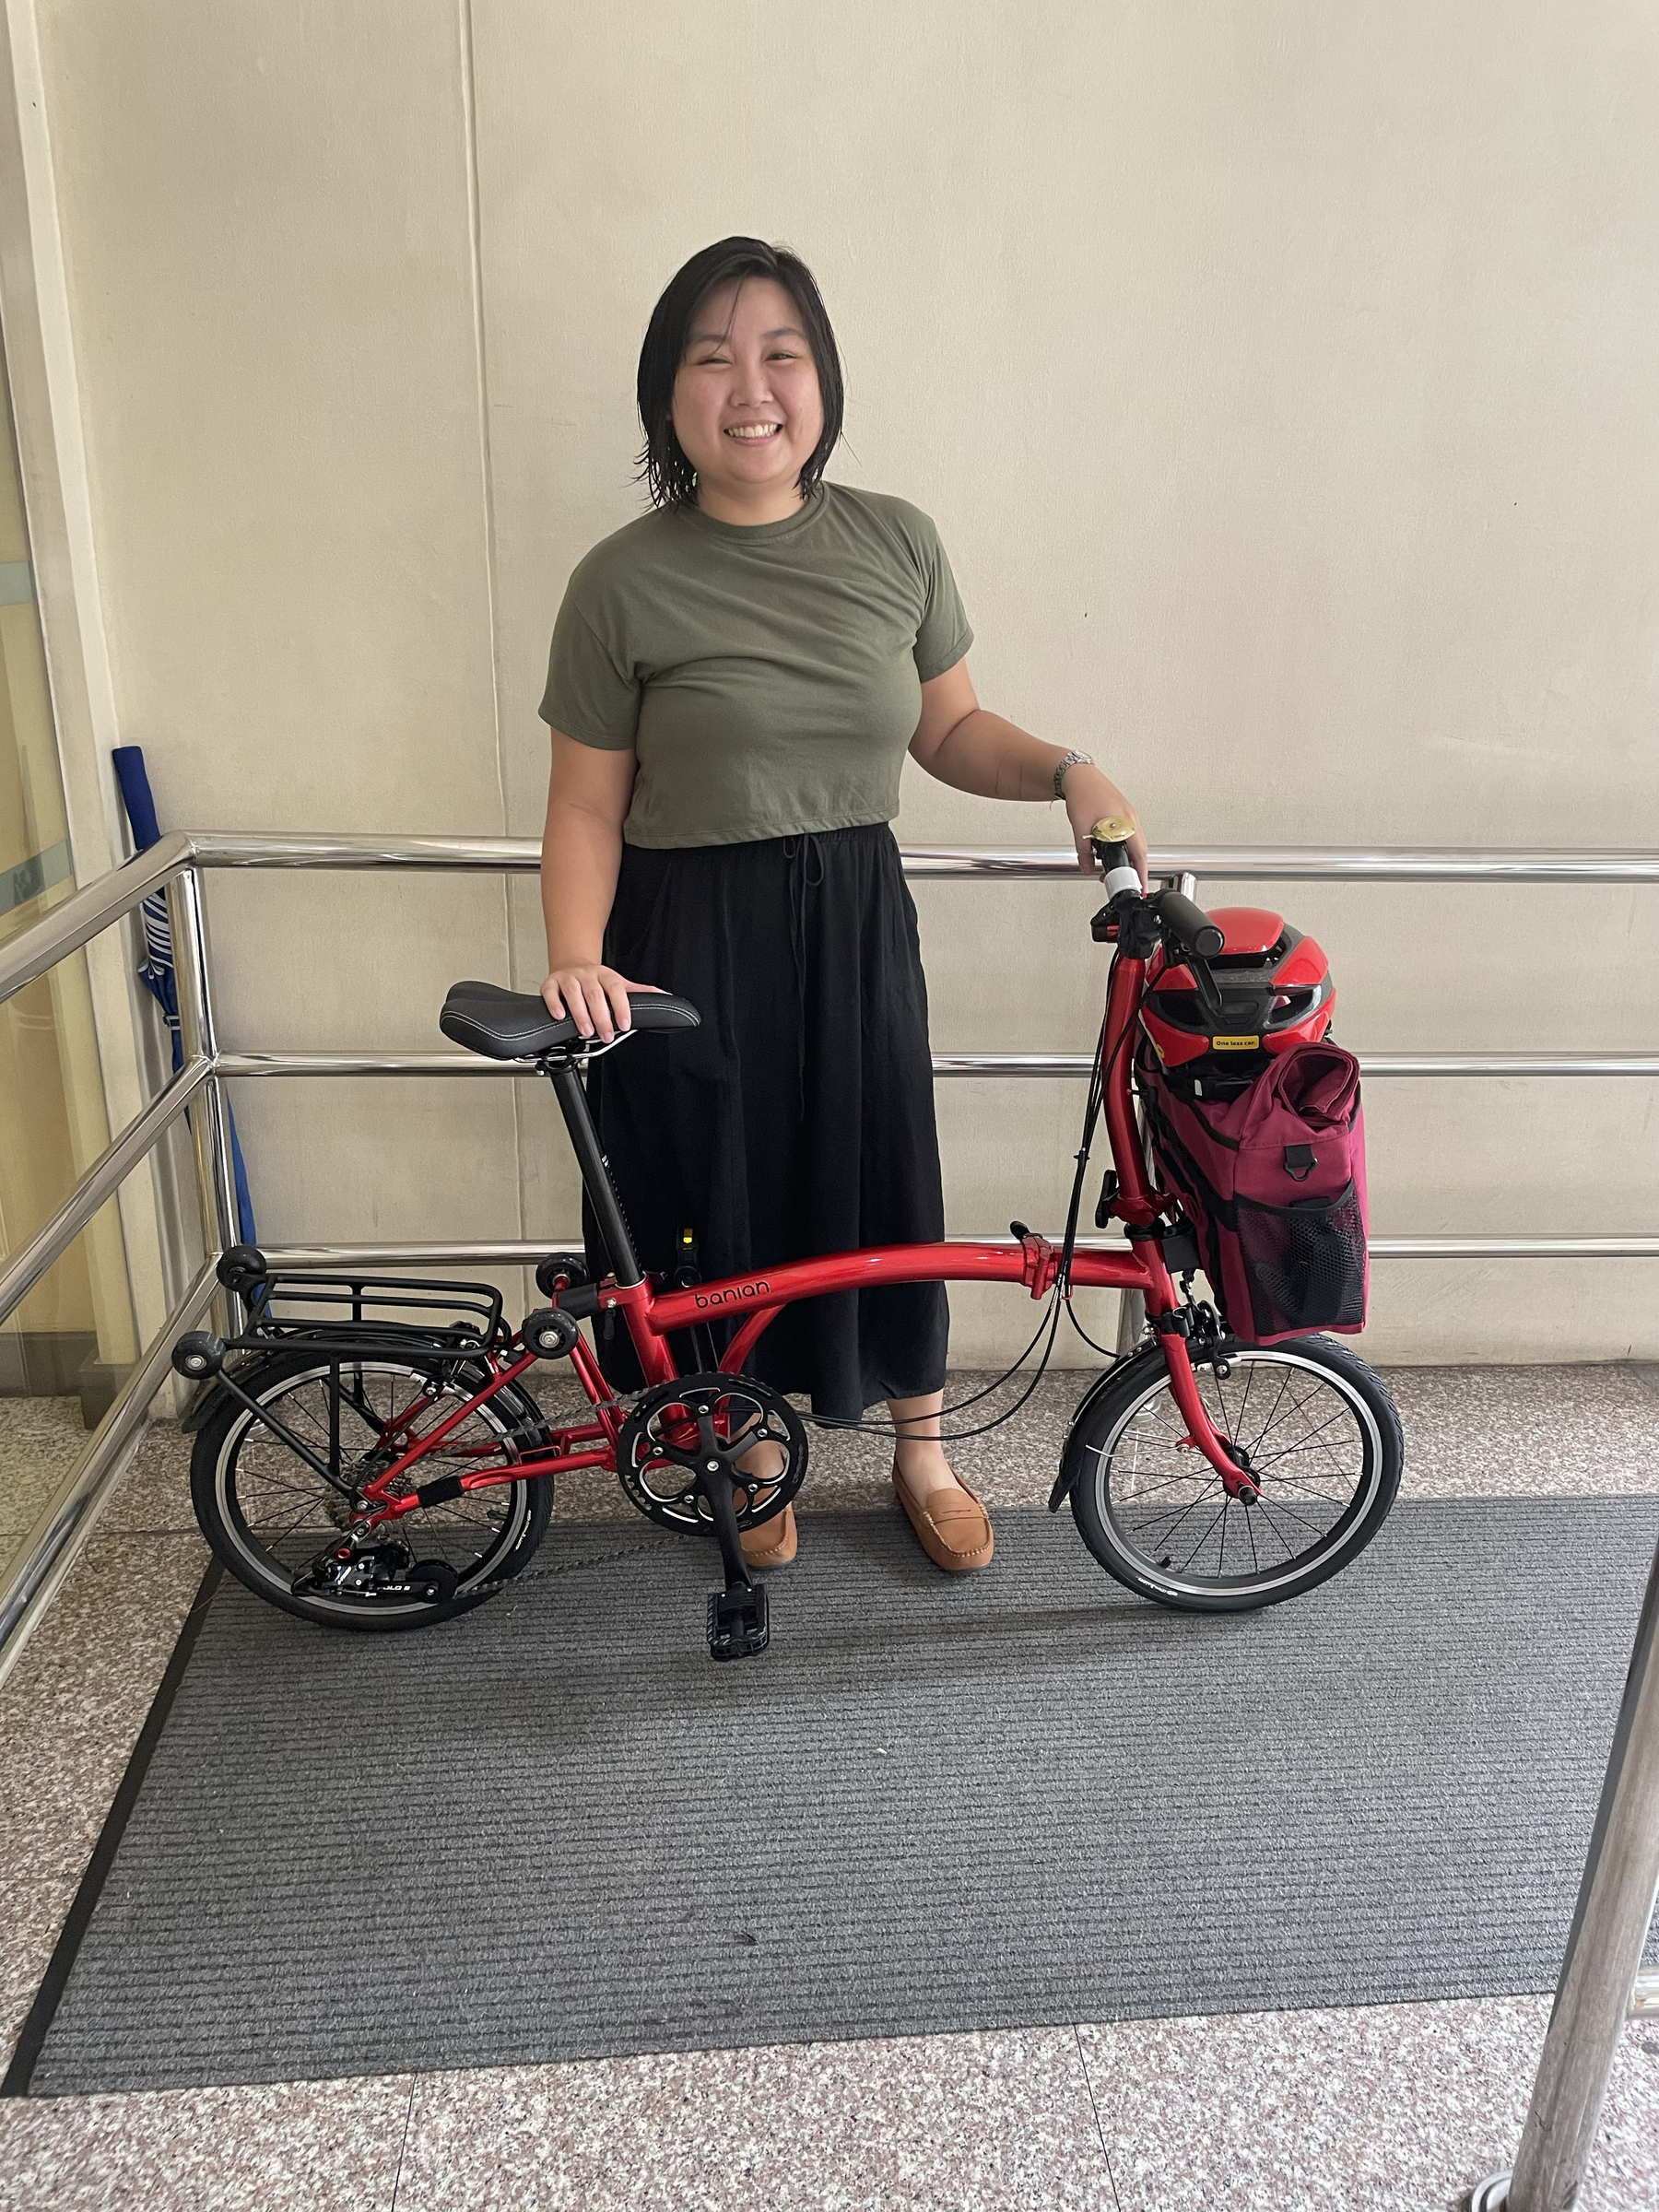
1276,991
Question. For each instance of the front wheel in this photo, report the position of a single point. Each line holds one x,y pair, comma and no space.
1317,1431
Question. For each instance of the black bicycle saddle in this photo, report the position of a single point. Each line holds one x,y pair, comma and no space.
516,1025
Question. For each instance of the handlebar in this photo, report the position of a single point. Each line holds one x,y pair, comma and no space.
1188,923
1183,925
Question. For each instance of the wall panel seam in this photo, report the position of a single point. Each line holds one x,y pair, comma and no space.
469,112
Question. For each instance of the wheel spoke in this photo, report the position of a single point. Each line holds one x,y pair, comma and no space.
288,1528
1199,1546
1307,1438
1278,1505
1171,1517
1176,1516
1296,1406
1244,1408
1269,1528
1276,1490
1203,1473
1283,1386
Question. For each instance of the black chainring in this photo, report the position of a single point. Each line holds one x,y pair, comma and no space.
678,1429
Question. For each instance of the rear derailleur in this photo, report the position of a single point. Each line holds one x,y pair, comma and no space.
374,1572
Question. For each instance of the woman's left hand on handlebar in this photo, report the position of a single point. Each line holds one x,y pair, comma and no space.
1090,797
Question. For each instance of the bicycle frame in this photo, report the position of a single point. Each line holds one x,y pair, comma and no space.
652,1314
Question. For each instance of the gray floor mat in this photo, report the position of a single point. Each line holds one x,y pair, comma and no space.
555,1830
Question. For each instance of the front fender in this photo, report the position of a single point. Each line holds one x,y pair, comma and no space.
1071,1459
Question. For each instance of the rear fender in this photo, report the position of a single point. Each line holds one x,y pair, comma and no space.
246,1370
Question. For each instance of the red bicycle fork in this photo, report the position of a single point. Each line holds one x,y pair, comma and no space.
1138,1205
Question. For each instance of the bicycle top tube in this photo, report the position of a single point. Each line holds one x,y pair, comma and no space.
987,1260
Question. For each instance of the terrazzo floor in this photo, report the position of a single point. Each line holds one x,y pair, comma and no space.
1396,2107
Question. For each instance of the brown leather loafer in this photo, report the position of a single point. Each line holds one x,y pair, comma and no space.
953,1528
770,1543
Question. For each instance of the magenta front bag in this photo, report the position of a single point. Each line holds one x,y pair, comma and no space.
1273,1182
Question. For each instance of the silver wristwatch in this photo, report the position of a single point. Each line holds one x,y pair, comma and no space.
1071,760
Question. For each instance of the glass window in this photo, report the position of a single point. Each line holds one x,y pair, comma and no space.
72,1338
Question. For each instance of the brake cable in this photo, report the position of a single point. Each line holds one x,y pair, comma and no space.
1060,1297
1048,1325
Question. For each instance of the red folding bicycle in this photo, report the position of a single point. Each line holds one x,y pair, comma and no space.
370,1455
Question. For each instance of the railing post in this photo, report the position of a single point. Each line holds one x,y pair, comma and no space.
1604,1950
211,1127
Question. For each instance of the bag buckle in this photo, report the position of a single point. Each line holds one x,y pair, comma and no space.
1300,1162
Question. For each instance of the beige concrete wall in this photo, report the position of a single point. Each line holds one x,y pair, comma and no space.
1279,376
265,217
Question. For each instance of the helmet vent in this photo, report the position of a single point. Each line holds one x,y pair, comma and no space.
1270,958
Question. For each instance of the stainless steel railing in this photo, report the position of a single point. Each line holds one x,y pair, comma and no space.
1595,1991
176,865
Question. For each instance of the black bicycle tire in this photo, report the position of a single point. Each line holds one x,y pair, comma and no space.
1109,1404
284,1367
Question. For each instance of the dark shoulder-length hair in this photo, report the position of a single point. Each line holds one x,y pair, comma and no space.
667,475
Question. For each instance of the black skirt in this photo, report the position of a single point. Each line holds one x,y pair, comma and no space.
799,1118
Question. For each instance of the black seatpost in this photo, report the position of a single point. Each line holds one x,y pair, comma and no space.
596,1168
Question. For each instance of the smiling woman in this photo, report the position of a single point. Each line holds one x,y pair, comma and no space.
691,396
734,680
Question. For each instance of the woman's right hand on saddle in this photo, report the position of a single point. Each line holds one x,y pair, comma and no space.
595,996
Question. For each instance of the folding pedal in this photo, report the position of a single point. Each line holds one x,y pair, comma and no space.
737,1623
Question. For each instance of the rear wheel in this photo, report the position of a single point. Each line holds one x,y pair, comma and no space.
278,1525
1317,1431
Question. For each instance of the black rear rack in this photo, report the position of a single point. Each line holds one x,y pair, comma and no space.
346,1313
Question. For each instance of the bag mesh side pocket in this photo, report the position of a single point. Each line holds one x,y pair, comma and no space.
1305,1264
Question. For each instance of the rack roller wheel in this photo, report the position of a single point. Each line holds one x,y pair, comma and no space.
549,1333
242,1269
198,1354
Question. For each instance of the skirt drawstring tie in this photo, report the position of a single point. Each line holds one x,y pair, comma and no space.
805,863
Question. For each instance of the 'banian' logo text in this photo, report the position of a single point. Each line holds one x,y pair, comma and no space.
735,1296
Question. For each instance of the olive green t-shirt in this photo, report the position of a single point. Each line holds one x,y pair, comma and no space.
768,676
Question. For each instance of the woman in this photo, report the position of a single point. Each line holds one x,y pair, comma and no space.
734,682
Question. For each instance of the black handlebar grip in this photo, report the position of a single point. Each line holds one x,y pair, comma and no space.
1189,925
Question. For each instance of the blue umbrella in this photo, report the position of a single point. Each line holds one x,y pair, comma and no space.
157,971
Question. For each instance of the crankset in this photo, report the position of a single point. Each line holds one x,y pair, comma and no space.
716,1454
662,1458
